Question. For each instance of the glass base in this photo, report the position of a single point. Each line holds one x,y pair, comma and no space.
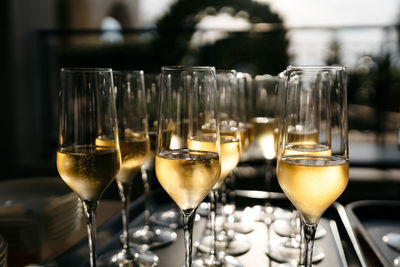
150,237
204,209
279,251
392,240
271,212
243,222
283,228
169,218
237,245
122,258
205,260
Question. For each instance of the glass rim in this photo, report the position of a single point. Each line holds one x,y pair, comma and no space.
122,71
315,68
223,71
262,77
183,67
84,69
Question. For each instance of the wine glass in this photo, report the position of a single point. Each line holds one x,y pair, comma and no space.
267,90
87,114
149,235
170,217
134,147
265,118
229,157
312,162
233,224
188,107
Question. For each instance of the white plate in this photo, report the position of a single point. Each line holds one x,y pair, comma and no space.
32,193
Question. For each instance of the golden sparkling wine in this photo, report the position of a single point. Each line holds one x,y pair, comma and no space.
186,175
307,149
134,153
229,153
134,149
265,136
312,183
88,170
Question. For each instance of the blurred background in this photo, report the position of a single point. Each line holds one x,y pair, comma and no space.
264,36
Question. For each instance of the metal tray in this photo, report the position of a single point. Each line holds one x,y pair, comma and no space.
371,220
340,244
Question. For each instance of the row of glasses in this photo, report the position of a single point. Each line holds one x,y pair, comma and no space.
188,115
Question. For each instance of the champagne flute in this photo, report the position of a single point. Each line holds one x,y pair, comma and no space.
229,157
312,167
267,89
265,121
149,235
86,114
187,105
171,217
134,147
235,224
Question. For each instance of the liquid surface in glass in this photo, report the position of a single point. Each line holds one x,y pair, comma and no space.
88,170
134,149
307,149
229,153
312,183
187,175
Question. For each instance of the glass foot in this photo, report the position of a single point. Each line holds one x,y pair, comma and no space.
123,258
278,251
203,209
272,212
392,240
222,260
168,218
283,228
237,245
151,236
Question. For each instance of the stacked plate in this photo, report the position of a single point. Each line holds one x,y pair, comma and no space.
61,217
33,210
3,251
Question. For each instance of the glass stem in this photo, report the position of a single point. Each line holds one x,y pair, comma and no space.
213,219
302,246
232,185
269,167
309,235
147,203
188,218
125,192
89,209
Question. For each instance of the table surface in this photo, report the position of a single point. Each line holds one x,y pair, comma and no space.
108,240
